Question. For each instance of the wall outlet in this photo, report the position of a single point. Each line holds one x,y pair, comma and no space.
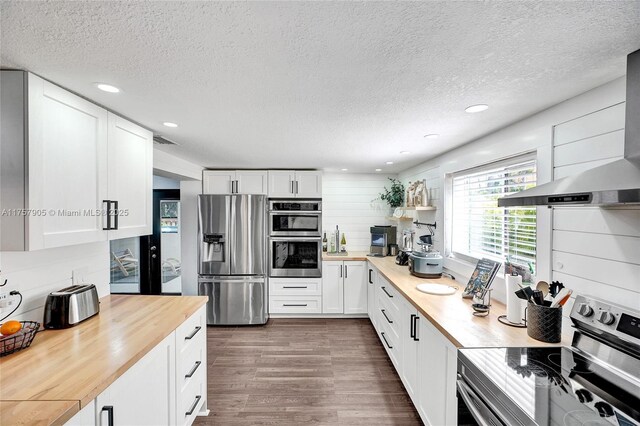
78,275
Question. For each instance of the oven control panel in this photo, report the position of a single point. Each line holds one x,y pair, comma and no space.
607,318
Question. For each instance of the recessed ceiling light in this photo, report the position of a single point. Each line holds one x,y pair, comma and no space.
378,170
405,152
170,124
476,108
389,162
344,170
107,87
431,136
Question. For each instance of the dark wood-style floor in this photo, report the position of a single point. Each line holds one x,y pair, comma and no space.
303,371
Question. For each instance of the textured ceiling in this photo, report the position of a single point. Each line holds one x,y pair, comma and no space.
326,85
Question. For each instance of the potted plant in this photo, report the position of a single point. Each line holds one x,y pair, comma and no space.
393,196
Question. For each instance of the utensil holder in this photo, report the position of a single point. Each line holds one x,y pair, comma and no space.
544,323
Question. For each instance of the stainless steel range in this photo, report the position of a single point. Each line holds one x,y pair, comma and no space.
595,381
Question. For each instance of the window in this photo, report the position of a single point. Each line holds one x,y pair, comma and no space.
479,228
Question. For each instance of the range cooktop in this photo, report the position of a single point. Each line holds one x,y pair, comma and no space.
552,386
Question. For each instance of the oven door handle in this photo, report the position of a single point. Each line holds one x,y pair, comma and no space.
471,400
297,239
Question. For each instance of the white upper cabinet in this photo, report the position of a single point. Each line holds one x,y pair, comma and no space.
295,184
308,184
130,177
281,183
62,158
67,167
234,182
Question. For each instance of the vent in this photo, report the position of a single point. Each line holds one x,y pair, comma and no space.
160,140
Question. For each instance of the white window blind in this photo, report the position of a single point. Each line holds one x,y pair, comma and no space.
482,229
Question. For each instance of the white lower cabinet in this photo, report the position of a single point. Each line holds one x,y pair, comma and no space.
295,295
372,275
167,386
437,358
84,417
423,357
344,289
410,339
145,394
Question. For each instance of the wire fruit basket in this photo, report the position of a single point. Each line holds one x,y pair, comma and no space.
20,340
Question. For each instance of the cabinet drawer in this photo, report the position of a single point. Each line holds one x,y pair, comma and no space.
389,317
295,304
191,398
389,342
192,332
188,364
388,294
295,287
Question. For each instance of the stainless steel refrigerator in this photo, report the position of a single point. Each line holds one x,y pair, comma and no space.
232,262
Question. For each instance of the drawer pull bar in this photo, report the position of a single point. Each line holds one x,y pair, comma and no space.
385,315
193,333
193,407
386,292
294,286
370,280
193,370
302,305
415,328
385,341
109,410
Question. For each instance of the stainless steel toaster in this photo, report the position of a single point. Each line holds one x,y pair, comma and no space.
71,305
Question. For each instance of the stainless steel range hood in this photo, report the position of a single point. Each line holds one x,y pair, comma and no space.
613,183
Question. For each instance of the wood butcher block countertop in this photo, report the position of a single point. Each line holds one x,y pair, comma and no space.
64,370
452,314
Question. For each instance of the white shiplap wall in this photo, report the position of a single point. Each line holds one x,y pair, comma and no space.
595,250
348,201
35,274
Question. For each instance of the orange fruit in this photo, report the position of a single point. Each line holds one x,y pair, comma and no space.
10,327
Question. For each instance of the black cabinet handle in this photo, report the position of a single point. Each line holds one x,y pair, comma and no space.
193,333
107,205
346,271
340,271
412,332
300,305
193,407
385,290
109,410
370,280
385,315
415,328
193,370
385,341
294,286
292,187
115,215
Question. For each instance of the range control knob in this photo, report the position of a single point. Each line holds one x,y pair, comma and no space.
585,310
606,317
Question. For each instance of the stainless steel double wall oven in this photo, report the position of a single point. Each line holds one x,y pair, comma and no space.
295,238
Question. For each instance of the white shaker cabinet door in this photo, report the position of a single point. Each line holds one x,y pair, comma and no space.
281,183
308,184
372,275
218,181
67,167
130,177
146,393
355,287
251,182
410,339
332,287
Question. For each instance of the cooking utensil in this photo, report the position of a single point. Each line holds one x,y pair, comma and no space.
543,286
561,298
555,287
525,293
538,297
